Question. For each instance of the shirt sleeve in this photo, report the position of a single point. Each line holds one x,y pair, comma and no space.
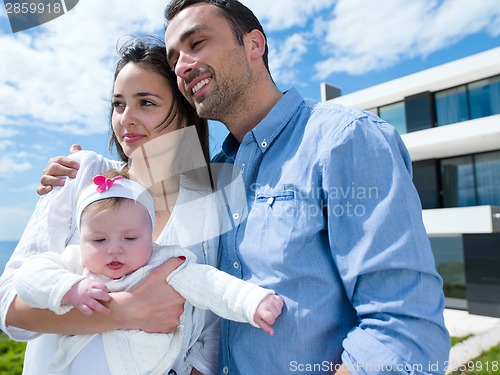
43,280
380,246
50,228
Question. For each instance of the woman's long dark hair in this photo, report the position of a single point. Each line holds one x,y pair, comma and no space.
149,53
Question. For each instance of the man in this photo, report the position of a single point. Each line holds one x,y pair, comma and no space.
334,222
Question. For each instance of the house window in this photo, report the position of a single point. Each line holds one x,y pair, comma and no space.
484,97
487,176
471,180
451,106
449,258
426,180
458,182
394,114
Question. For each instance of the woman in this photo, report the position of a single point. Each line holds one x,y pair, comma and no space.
149,120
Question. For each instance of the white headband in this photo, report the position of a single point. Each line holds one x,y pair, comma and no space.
116,187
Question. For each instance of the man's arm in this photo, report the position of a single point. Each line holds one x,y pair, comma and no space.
57,168
384,258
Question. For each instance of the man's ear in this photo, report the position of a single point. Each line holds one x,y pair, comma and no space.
256,42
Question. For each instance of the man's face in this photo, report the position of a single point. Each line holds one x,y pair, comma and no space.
212,67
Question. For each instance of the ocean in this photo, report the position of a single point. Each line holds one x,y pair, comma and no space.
6,249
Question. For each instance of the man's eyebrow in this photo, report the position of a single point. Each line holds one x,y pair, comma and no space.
186,35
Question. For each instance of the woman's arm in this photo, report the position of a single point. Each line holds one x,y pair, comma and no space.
21,315
152,306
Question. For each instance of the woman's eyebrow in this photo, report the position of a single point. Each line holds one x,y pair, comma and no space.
138,94
146,93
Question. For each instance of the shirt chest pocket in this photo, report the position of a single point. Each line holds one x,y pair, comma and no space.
273,222
274,209
284,210
272,198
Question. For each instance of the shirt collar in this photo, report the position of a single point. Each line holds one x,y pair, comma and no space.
276,120
230,148
270,127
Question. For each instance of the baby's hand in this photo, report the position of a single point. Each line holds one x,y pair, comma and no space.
267,312
85,296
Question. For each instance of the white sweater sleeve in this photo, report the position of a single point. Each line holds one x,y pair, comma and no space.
208,288
44,279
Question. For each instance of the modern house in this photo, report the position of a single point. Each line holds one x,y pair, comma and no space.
449,119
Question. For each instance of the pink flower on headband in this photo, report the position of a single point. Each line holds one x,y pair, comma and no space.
104,183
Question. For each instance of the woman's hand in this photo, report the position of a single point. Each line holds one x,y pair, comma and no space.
153,305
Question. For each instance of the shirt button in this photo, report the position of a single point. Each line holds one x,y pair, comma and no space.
225,370
242,168
264,143
236,215
236,265
270,201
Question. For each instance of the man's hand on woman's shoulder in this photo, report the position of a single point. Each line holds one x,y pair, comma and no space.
58,168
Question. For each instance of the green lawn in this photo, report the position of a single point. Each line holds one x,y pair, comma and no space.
11,356
456,340
486,364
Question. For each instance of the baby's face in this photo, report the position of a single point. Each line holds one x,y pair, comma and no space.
117,241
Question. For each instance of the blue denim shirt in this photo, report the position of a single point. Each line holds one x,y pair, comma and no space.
334,227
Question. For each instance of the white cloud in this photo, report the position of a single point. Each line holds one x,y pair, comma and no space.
14,159
285,56
10,166
364,35
7,132
361,36
285,14
494,27
60,77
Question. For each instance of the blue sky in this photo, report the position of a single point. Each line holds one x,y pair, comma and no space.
55,79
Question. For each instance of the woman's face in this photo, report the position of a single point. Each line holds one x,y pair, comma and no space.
142,107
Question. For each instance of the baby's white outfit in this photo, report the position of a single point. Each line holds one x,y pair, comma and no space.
44,279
